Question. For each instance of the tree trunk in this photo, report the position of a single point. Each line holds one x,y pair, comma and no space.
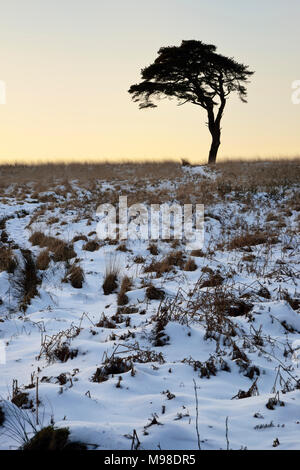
214,125
215,144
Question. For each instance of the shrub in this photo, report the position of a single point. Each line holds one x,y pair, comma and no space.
53,439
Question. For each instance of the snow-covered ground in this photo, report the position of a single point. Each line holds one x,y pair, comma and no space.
226,334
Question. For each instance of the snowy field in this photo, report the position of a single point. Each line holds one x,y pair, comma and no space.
122,364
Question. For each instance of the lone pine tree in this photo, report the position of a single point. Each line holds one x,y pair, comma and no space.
194,73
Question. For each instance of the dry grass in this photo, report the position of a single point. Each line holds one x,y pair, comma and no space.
91,245
190,265
197,253
122,247
167,264
46,174
26,280
259,173
214,280
251,239
142,182
110,283
112,271
112,365
43,260
153,293
75,275
8,260
61,250
153,249
125,287
78,238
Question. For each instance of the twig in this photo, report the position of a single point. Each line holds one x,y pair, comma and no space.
37,401
227,439
135,444
197,415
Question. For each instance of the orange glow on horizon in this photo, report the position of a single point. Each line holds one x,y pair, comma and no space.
68,66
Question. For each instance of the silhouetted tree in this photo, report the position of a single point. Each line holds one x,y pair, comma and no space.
194,73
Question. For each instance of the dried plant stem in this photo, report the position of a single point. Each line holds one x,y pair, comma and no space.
227,439
197,415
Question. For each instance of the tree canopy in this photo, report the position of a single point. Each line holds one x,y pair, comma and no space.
193,72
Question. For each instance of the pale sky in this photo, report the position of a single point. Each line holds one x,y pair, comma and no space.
68,64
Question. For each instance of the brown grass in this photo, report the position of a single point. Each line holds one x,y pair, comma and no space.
8,260
45,174
61,250
153,293
110,283
153,249
76,276
79,237
91,245
190,265
197,253
112,365
111,276
251,239
43,260
245,178
125,287
26,280
254,174
122,247
167,264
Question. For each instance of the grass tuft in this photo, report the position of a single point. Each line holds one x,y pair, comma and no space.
51,439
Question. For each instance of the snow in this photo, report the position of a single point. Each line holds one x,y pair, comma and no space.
104,415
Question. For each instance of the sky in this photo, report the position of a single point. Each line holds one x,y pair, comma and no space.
67,66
